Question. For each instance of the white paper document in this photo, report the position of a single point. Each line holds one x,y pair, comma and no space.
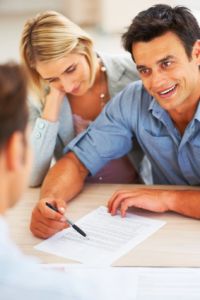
144,283
168,283
130,283
109,237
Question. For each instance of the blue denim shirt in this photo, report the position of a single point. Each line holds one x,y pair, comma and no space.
131,114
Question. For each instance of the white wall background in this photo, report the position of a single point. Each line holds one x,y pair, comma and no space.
115,15
107,19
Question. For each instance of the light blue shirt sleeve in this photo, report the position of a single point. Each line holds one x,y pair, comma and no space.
109,137
135,114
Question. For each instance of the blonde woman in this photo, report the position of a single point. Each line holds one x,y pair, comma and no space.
72,83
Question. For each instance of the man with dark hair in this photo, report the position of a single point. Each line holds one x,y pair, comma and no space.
21,277
161,111
160,19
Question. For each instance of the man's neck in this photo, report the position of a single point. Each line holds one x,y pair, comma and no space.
182,115
4,194
182,118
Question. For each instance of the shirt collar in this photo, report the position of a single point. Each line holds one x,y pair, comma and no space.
157,110
197,113
6,244
3,228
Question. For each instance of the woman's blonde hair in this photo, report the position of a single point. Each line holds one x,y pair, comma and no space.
50,36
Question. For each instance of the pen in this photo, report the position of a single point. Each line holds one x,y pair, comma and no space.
79,230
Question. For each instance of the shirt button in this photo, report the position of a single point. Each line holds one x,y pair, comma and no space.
41,125
38,135
100,178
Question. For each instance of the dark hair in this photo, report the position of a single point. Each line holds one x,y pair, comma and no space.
159,19
13,107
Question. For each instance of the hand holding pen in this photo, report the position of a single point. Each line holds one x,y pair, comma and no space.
74,226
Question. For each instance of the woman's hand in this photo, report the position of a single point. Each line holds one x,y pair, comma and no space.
53,102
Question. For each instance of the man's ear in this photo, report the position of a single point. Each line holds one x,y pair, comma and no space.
196,51
15,151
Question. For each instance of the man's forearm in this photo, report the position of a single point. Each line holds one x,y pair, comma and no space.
185,202
65,179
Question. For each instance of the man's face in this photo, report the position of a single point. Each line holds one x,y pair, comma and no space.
167,72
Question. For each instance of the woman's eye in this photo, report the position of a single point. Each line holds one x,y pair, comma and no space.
51,80
67,71
71,69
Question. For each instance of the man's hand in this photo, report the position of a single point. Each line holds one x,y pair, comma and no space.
62,183
149,199
45,221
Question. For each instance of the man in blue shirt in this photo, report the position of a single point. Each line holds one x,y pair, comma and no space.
161,111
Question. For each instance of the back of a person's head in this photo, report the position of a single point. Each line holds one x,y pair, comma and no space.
160,19
13,109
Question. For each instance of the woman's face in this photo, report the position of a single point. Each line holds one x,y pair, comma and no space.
69,74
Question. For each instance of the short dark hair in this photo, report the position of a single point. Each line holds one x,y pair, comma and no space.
13,107
160,19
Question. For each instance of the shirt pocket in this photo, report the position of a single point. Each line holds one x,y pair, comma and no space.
194,155
161,149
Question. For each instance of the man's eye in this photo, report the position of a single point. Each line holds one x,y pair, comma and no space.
144,71
166,64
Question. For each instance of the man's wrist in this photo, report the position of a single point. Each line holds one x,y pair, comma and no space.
170,199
